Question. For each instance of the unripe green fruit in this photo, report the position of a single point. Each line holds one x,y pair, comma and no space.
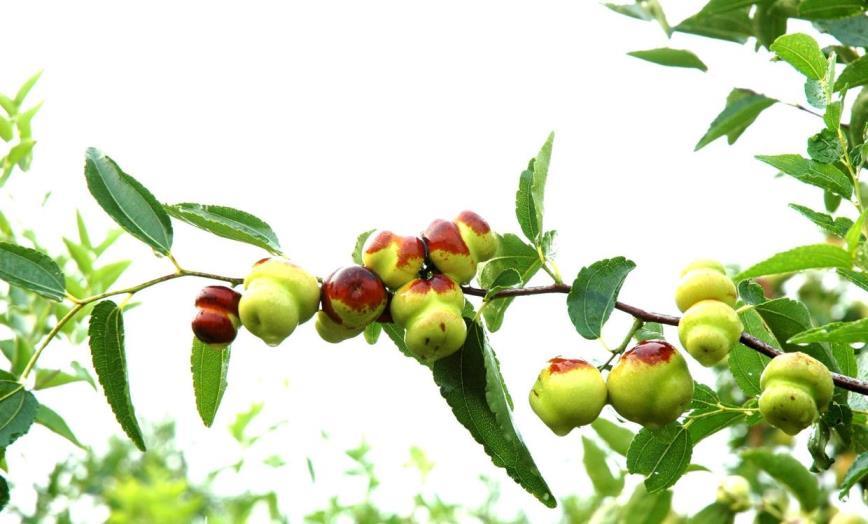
795,389
395,259
847,518
477,235
651,384
430,312
709,330
568,393
331,331
278,296
704,280
704,263
734,493
353,297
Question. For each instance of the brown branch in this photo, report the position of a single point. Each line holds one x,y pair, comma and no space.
842,381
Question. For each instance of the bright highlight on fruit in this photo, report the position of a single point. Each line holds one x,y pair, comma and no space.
568,393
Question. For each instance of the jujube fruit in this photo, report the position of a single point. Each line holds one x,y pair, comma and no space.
568,393
278,296
216,321
331,331
430,312
704,280
796,388
651,384
456,248
708,331
395,259
847,518
353,297
734,493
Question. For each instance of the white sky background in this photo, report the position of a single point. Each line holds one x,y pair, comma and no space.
329,118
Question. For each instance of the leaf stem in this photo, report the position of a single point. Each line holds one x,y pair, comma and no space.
48,338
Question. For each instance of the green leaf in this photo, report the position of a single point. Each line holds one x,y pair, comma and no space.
845,332
32,270
129,203
835,226
470,382
732,26
209,364
825,176
854,75
17,411
360,246
649,331
525,211
24,120
858,278
52,378
636,11
746,364
858,470
615,436
4,493
19,152
661,455
108,274
8,105
372,332
713,514
50,419
227,222
593,294
512,254
803,53
786,318
822,9
670,57
707,417
715,7
26,87
540,176
816,256
605,482
743,106
853,237
824,147
788,471
81,256
645,508
110,363
832,116
6,129
852,31
770,22
751,292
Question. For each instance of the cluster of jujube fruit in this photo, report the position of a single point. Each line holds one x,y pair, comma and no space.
651,384
412,281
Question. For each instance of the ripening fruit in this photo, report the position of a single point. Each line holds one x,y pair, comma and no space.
709,330
448,252
430,312
395,259
353,297
477,235
568,393
795,389
734,493
650,385
278,296
331,331
216,321
847,518
704,280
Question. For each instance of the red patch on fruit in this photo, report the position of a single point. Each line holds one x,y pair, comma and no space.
562,365
474,222
219,298
356,287
438,283
444,236
213,327
651,352
409,248
261,261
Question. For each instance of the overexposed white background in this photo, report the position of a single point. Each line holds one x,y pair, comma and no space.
330,118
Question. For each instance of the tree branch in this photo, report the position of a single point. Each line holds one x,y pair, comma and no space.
842,381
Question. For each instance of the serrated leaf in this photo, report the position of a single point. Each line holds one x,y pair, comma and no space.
106,334
360,246
858,470
743,106
32,270
209,365
825,176
128,202
525,210
854,75
661,455
746,364
835,226
788,471
593,294
649,331
856,277
751,292
803,53
47,417
227,222
732,26
667,56
512,254
823,9
770,22
605,482
851,31
540,176
17,411
824,147
816,256
786,318
844,332
472,386
615,436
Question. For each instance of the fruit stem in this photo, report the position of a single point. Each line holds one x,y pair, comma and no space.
637,325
